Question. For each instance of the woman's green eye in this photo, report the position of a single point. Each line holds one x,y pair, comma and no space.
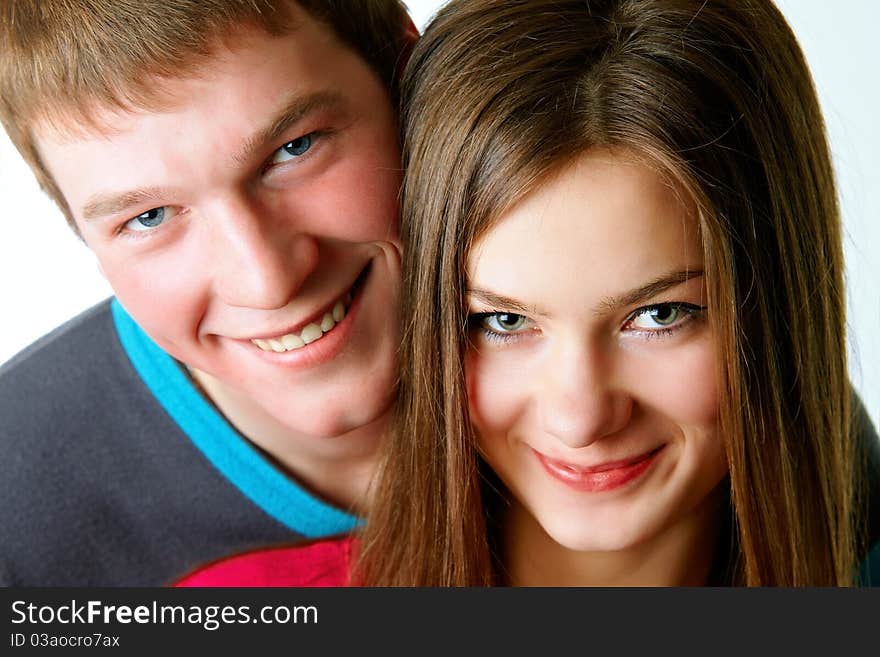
505,322
665,315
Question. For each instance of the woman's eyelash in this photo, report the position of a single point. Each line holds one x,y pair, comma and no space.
691,312
477,322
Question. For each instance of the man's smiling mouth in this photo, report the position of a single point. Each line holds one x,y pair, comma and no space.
315,330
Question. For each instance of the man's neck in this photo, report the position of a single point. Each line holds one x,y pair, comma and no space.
337,469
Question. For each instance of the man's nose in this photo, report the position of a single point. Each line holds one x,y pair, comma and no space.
260,260
580,401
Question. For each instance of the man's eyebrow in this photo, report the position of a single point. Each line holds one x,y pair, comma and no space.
506,303
296,108
102,205
647,291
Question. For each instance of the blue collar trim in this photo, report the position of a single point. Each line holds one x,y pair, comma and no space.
236,459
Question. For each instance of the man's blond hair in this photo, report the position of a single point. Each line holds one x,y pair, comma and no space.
60,59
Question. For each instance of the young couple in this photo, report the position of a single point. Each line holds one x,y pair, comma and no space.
619,351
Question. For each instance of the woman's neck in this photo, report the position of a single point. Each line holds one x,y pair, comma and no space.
683,555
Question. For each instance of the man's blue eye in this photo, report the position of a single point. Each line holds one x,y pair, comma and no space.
292,149
146,220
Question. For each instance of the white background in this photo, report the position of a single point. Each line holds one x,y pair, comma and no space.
47,275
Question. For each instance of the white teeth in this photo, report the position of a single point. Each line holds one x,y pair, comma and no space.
327,322
309,333
291,341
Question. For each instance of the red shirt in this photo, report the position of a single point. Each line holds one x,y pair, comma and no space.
323,563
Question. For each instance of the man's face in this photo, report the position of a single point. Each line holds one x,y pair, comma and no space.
251,230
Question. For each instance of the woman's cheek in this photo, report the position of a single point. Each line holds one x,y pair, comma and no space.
497,391
697,398
680,383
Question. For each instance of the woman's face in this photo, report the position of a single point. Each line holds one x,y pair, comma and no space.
592,371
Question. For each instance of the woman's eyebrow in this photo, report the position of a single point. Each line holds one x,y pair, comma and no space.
646,291
500,301
606,305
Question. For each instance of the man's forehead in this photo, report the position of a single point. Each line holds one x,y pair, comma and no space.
147,141
90,116
91,121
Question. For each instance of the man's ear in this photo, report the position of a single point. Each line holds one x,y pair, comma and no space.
412,32
411,35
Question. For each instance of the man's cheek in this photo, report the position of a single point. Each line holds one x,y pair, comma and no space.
161,308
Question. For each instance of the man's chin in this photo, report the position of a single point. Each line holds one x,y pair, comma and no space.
337,419
281,413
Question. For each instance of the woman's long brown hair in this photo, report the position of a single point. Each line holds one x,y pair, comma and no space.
501,93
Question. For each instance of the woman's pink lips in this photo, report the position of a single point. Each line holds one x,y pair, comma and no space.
602,477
